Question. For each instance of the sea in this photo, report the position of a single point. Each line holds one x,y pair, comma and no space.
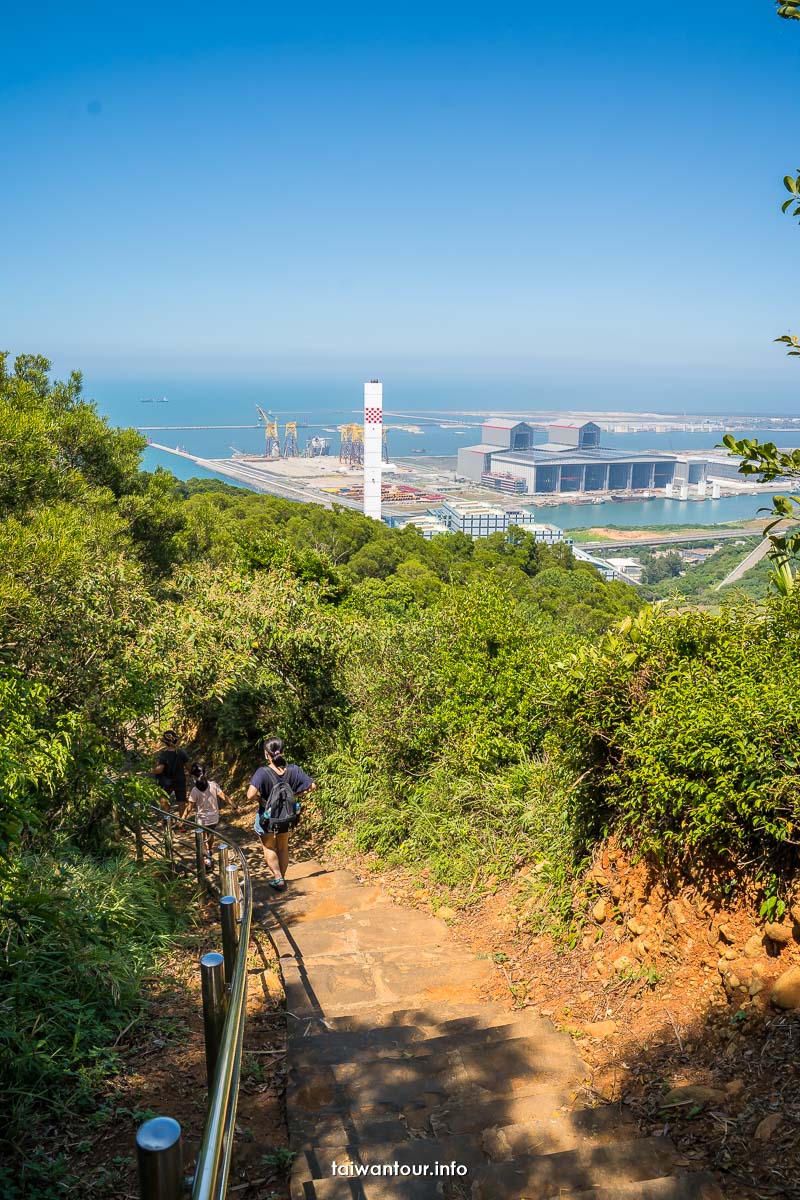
436,432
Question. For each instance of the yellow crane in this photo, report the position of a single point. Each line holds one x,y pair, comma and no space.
290,446
272,446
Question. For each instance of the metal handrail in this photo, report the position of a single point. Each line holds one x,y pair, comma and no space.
214,1159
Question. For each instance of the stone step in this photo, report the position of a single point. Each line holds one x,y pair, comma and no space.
461,1152
331,1127
387,1188
395,1059
434,1020
540,1176
696,1185
319,1119
430,1020
619,1174
332,894
359,920
362,984
476,1117
364,1048
564,1131
517,1067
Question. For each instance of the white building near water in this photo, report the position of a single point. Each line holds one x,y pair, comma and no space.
570,461
476,519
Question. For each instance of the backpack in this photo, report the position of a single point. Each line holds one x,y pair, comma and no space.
278,813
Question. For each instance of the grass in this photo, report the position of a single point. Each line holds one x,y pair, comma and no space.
469,833
595,534
79,934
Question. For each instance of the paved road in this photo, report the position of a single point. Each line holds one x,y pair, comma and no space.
755,556
665,539
260,480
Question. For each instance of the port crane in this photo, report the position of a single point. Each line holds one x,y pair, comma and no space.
272,446
290,445
352,448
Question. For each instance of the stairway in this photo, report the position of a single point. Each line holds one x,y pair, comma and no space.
397,1066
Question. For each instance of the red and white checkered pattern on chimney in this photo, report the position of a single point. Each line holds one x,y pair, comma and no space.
373,448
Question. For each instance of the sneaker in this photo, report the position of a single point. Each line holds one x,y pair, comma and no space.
278,885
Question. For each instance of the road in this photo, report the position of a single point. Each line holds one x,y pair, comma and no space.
665,539
260,480
755,556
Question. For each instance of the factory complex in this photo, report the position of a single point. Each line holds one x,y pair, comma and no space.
571,462
482,491
475,519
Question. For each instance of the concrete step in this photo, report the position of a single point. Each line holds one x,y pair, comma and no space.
363,1048
461,1152
499,1186
359,920
388,1188
366,985
330,1127
432,1020
695,1185
416,1085
564,1131
516,1066
438,1020
535,1110
317,1121
541,1176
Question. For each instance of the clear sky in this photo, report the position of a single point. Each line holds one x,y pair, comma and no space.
562,190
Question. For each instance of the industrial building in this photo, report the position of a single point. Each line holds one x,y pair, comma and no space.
428,525
477,520
570,461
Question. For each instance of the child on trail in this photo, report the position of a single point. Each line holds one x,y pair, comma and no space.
169,772
206,796
281,781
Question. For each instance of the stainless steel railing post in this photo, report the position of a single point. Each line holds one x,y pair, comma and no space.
212,979
233,888
200,857
230,934
223,858
159,1154
214,1156
168,851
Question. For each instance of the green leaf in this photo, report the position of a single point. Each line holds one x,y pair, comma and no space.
790,184
786,203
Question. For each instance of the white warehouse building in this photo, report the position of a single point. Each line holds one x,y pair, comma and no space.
476,519
571,460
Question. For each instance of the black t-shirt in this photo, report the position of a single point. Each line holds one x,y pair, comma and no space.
266,777
173,762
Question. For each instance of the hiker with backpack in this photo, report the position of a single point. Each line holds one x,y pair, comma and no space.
169,772
206,796
276,786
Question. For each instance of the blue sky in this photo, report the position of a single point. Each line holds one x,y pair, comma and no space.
550,191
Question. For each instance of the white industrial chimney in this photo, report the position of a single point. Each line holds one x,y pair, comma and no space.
373,448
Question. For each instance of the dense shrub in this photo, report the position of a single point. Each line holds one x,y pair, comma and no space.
79,934
683,729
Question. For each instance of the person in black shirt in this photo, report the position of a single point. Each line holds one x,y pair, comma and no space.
169,772
276,845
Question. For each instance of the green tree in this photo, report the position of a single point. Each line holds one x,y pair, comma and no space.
763,458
